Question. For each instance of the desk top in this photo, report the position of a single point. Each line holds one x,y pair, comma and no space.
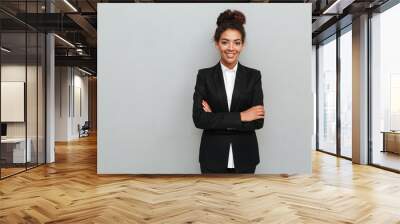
390,132
13,140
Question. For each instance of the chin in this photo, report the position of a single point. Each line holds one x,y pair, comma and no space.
230,61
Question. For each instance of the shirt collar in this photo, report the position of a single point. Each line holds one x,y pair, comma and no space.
224,68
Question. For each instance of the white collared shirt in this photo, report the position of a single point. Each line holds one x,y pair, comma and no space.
229,81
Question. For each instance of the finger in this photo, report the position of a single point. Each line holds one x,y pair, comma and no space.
260,109
207,106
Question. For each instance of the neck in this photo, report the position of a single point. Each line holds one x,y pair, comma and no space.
230,66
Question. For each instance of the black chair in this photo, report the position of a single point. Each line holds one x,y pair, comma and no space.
84,130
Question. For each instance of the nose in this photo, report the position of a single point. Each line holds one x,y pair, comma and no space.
230,47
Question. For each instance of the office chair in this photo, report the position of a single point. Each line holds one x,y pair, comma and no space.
84,130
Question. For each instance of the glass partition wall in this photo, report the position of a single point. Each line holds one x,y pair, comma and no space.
22,77
334,88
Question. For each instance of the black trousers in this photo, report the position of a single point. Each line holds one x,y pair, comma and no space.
205,170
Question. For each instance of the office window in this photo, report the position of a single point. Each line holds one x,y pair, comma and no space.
327,96
346,93
385,88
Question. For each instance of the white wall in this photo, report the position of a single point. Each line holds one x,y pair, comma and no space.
16,72
79,117
148,57
68,82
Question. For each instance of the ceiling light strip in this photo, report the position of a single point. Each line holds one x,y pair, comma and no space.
70,5
84,71
64,40
5,49
331,7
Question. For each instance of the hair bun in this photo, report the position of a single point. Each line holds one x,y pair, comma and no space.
229,16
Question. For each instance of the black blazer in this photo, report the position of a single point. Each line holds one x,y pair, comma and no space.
221,126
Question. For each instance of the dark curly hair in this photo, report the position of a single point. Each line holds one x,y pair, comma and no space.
230,20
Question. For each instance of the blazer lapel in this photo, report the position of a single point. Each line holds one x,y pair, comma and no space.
240,73
219,80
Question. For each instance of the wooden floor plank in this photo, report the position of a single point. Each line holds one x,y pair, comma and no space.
70,191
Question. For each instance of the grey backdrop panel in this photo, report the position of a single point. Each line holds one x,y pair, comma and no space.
148,57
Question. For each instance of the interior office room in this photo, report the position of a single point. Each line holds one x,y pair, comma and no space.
84,139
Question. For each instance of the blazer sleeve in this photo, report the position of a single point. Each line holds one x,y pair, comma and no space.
211,120
258,99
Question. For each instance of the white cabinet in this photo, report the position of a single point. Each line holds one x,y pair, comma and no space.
18,149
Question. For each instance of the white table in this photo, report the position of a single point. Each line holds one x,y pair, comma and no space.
18,145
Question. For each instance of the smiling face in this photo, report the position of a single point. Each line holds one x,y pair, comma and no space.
230,45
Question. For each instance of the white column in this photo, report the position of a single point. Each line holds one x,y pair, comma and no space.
50,100
50,92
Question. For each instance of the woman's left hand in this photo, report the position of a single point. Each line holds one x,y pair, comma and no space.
206,107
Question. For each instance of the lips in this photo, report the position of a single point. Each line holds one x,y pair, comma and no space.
230,55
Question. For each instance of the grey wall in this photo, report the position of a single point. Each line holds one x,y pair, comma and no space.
148,57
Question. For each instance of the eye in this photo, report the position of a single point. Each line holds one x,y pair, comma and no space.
238,43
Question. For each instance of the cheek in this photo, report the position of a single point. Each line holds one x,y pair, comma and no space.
222,48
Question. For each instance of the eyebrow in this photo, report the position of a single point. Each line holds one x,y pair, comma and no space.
228,39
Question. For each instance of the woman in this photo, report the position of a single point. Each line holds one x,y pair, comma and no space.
228,104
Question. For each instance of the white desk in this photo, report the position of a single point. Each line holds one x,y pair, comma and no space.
18,149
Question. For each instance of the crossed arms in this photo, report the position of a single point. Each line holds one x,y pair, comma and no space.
248,120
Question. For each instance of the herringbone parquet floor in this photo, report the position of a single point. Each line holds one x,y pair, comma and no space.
70,191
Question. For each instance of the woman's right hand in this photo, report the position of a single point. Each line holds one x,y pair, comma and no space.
253,113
